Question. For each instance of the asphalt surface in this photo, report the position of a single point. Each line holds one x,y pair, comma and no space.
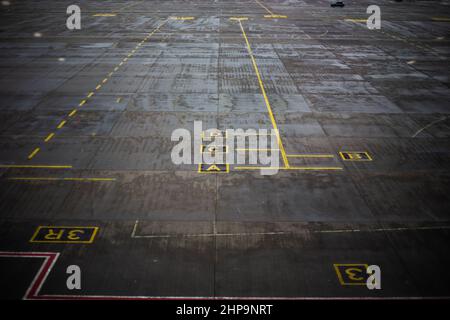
146,68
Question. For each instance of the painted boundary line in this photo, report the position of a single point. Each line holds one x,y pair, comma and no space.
50,258
134,234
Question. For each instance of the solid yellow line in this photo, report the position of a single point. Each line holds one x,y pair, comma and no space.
441,19
59,179
264,7
104,15
311,155
49,137
254,149
266,99
73,113
61,124
289,168
35,151
34,166
356,20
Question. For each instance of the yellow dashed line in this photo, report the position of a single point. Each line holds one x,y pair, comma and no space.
62,123
83,102
49,137
32,154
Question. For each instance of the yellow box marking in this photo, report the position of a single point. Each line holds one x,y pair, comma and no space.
355,156
213,168
351,274
64,234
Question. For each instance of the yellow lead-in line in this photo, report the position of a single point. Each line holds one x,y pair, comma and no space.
266,99
60,179
263,6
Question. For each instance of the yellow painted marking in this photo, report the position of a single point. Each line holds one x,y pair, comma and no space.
32,154
21,166
118,100
263,6
64,234
60,179
311,155
266,99
104,15
83,102
356,20
275,16
256,149
351,273
74,111
238,18
213,168
289,168
61,124
181,18
355,156
441,19
49,137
